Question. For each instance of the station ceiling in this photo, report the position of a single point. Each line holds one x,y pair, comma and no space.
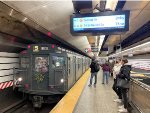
54,16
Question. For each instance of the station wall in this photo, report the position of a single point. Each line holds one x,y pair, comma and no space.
8,61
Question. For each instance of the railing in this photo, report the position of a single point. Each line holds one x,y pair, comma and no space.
139,95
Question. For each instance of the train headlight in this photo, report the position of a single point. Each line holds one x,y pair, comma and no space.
19,79
62,80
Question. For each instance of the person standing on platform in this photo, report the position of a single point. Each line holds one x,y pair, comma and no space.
111,64
125,75
116,71
106,72
94,70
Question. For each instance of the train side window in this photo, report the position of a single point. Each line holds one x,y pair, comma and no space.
57,61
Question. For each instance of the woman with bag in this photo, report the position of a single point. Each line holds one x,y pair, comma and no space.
123,79
116,71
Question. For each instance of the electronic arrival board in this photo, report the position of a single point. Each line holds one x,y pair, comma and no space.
117,21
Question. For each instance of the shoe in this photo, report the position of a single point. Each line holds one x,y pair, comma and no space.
89,85
102,83
120,107
123,110
117,100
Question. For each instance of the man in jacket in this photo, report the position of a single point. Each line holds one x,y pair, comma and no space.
93,72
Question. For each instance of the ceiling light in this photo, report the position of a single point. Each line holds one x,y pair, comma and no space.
24,19
132,49
102,37
96,41
111,4
11,12
44,6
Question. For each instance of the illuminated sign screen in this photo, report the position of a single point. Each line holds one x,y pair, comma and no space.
117,21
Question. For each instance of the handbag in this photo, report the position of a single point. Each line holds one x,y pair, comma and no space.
122,83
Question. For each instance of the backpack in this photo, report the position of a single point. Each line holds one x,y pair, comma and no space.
97,67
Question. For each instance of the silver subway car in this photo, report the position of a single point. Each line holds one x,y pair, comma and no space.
47,72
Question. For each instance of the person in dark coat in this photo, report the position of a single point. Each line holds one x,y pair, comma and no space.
124,74
93,72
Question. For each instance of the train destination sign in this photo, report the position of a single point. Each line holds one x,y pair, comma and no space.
117,21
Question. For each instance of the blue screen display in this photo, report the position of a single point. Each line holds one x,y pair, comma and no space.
99,22
110,22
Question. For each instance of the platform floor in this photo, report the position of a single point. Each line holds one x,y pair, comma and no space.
99,99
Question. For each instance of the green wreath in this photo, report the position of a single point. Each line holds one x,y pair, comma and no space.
39,77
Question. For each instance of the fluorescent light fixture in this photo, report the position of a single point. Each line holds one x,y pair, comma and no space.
44,6
11,12
101,40
130,55
131,49
111,4
96,40
24,19
102,37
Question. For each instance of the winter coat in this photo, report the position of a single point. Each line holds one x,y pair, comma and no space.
106,67
92,66
116,70
125,72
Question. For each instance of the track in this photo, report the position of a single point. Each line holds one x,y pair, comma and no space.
13,107
23,106
27,108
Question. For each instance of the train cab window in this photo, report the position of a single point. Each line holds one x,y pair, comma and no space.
57,61
41,64
24,62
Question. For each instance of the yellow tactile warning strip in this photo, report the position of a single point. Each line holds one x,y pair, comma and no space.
136,74
68,102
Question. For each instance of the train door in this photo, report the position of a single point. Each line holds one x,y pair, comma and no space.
70,72
74,69
82,65
57,72
40,72
77,68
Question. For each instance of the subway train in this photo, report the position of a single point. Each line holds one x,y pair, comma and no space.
47,72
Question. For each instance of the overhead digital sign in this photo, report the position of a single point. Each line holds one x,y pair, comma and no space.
104,22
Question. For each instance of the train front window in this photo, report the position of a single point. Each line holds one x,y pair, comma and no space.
41,64
57,61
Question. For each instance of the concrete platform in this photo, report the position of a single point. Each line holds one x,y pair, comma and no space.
99,99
